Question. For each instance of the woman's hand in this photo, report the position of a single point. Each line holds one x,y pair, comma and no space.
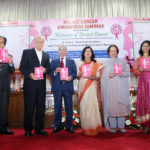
93,77
79,75
141,69
120,75
111,75
147,70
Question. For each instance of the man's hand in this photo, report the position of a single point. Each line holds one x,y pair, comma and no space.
57,70
44,70
69,78
10,59
32,76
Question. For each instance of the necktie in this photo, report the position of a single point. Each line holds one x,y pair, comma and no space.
62,63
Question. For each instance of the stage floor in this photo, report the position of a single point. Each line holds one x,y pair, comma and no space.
132,140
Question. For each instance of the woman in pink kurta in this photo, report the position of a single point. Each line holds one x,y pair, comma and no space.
143,91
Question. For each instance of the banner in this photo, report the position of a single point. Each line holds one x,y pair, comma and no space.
99,33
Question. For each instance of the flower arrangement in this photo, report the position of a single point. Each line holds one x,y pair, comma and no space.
20,87
130,120
76,117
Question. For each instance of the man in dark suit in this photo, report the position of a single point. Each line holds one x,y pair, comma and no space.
63,89
5,70
34,90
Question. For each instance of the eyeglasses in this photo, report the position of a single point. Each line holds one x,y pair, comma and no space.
41,42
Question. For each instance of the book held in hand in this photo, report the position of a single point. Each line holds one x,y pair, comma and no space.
38,71
117,69
4,56
64,73
145,63
86,71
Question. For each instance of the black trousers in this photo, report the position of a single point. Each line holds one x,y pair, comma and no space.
4,100
34,99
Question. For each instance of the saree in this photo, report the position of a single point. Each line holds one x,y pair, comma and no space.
143,94
89,94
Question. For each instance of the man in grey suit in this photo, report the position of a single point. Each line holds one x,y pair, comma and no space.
63,88
5,70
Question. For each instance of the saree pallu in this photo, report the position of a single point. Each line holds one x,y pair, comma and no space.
89,94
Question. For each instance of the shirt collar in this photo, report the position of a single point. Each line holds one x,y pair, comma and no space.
64,58
38,51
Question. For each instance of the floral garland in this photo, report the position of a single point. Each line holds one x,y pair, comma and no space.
76,117
130,120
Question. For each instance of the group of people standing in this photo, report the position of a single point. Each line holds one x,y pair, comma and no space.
113,92
102,92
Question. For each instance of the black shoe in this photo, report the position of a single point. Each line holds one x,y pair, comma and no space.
41,132
28,133
71,130
7,132
56,129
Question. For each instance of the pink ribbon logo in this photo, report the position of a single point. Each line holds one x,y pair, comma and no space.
116,30
46,31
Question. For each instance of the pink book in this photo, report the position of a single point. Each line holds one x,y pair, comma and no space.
64,73
38,71
5,56
1,55
117,69
145,63
86,71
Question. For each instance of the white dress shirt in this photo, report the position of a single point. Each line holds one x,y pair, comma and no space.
64,61
39,55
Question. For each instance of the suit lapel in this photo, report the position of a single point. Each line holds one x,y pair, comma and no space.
58,61
42,62
67,62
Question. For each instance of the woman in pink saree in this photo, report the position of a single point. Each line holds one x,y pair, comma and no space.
143,91
89,94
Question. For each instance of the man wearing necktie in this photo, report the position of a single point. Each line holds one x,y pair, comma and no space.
34,89
63,88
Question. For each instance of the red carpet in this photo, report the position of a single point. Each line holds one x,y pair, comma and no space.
132,140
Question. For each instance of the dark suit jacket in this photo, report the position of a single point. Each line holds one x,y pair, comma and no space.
56,78
28,62
5,70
